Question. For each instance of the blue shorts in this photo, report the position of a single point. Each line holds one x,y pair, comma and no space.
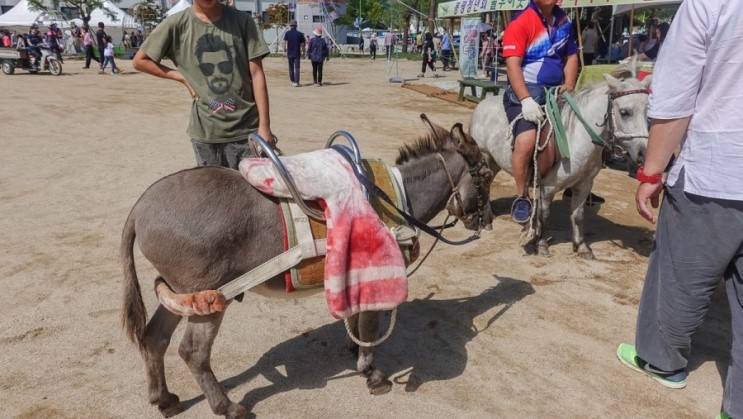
512,106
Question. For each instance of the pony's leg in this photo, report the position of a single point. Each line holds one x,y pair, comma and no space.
196,349
580,193
376,381
156,339
546,197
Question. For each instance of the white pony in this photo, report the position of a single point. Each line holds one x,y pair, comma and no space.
615,109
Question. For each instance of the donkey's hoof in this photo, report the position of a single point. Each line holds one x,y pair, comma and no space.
171,406
377,383
586,254
236,411
543,250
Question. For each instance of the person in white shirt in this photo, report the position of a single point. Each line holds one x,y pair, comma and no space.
108,57
697,95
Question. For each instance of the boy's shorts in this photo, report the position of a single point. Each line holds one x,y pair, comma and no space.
512,106
221,154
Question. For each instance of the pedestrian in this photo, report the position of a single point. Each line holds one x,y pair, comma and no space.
7,41
389,44
695,104
419,43
318,53
535,60
218,52
361,43
108,57
294,48
88,45
590,39
373,47
100,39
445,49
77,37
428,59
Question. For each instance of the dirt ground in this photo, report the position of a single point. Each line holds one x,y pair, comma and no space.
487,330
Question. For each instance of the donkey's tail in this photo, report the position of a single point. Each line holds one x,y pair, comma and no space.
133,312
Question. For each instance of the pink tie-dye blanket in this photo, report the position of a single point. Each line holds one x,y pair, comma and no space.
364,268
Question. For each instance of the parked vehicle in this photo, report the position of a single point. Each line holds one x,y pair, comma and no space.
12,58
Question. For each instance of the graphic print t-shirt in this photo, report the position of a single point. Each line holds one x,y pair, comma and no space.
214,59
542,53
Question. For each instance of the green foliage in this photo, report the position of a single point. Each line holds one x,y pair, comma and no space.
277,16
85,7
388,12
148,13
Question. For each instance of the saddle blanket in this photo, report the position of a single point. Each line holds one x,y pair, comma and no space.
364,268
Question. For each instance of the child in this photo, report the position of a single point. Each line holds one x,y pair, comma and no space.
108,57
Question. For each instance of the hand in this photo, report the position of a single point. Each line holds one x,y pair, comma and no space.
267,135
566,88
644,192
531,110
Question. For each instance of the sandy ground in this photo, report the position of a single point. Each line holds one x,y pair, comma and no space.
487,331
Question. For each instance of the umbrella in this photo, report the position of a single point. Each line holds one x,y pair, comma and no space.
484,27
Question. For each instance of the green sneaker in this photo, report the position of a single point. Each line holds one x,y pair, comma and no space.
723,415
628,356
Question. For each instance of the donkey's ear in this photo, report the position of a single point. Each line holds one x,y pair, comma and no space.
614,83
647,80
465,143
438,132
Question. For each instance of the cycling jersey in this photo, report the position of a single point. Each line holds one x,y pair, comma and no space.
542,53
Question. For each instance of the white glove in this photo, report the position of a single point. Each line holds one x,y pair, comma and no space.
531,110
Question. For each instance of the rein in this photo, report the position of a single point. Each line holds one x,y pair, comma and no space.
477,180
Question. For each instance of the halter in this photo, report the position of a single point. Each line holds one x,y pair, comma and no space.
609,117
476,172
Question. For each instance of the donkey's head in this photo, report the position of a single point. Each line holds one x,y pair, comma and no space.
627,115
470,198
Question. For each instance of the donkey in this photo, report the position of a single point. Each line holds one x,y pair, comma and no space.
202,227
617,109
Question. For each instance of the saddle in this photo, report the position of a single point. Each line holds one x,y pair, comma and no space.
309,273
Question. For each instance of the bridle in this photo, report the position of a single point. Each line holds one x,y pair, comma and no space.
616,136
478,170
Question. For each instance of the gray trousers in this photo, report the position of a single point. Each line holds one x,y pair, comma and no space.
698,241
222,154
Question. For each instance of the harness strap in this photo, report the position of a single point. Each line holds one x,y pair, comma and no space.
553,113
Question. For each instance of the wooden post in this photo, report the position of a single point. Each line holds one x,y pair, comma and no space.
631,28
580,40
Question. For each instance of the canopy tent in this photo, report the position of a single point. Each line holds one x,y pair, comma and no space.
626,8
22,15
180,6
119,19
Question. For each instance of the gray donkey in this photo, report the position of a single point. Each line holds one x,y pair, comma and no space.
202,227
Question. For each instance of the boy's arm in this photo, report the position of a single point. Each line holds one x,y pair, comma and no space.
142,62
260,92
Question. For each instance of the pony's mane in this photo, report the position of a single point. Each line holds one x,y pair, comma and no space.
424,146
627,69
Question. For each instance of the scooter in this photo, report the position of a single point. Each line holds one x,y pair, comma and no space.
12,58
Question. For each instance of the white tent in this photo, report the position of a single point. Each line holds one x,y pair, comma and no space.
121,19
180,6
22,15
626,8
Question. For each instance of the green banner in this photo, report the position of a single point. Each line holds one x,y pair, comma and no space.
473,7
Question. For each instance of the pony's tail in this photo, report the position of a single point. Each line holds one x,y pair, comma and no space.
133,312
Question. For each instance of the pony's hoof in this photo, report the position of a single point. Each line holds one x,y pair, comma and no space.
543,251
236,411
378,384
171,406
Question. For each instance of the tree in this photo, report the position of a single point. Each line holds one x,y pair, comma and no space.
277,17
84,7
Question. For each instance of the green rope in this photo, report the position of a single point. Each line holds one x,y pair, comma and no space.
553,115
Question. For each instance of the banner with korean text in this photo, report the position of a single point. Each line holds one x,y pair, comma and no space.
469,47
471,7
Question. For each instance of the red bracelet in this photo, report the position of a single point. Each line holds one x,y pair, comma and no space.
643,178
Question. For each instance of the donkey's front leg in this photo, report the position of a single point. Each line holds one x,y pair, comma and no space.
156,339
548,193
196,349
376,380
580,193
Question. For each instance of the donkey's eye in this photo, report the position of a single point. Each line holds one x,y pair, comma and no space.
624,113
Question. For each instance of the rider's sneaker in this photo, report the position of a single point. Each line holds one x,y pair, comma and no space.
521,210
627,354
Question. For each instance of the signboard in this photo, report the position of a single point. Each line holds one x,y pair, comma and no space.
471,7
469,47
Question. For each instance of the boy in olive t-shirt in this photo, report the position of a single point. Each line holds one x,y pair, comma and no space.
218,53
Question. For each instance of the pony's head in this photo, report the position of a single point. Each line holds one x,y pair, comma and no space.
627,113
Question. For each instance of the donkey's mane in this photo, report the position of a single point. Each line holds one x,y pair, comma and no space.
424,146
